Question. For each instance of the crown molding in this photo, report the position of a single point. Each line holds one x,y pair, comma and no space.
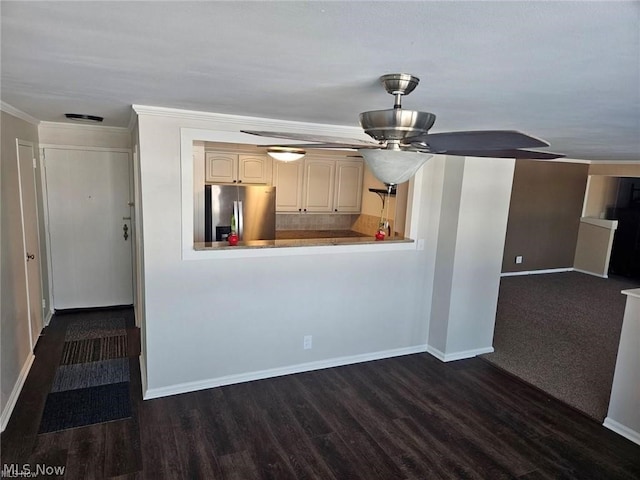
5,107
618,162
586,162
133,119
567,160
228,122
240,122
80,126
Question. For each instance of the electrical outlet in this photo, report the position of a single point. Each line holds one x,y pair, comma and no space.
306,342
519,259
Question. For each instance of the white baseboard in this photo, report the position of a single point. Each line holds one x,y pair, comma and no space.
15,393
143,371
622,430
536,272
591,273
48,318
277,372
450,357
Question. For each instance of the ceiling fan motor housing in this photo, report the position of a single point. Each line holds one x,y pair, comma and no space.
396,124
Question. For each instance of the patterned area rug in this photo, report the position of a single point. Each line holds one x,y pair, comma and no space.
93,374
95,328
91,384
94,350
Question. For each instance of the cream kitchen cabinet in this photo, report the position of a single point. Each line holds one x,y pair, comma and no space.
287,178
237,168
348,186
318,185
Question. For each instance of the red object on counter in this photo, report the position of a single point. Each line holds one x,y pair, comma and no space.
233,239
380,235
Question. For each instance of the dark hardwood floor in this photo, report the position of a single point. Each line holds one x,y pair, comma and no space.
409,417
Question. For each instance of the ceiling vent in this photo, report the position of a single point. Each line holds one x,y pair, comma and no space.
81,117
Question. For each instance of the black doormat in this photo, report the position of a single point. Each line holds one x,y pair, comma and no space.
85,406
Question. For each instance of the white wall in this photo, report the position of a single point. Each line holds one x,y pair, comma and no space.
623,416
473,221
138,251
221,320
209,319
482,226
16,355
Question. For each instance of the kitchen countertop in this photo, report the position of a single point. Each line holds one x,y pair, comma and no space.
298,242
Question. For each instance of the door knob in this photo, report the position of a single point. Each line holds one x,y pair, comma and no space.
30,256
125,229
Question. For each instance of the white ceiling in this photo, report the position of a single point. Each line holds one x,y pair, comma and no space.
568,72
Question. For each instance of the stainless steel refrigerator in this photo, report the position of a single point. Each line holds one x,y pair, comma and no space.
254,209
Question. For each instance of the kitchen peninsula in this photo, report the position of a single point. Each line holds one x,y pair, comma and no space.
323,199
297,242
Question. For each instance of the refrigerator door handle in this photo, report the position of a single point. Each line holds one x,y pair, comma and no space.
235,217
240,219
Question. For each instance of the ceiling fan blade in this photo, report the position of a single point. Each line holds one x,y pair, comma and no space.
508,153
309,137
309,146
475,140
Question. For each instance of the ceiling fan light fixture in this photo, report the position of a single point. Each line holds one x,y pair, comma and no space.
286,154
393,166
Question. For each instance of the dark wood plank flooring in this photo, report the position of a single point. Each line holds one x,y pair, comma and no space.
409,417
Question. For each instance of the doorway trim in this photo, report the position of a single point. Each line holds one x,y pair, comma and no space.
30,314
45,202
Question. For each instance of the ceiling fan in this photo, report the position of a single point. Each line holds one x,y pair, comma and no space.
403,142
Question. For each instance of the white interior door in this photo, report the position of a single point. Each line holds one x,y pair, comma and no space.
89,227
27,180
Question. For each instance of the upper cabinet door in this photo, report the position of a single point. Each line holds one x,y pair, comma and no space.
221,167
319,181
348,189
254,169
287,178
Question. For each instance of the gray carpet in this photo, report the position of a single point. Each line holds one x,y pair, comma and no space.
560,332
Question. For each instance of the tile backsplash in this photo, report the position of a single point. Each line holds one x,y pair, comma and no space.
362,223
314,221
368,224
